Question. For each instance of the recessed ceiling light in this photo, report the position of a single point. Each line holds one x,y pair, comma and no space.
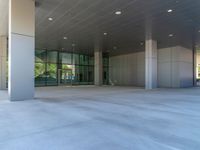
171,35
199,31
141,43
169,10
118,12
105,33
73,44
50,19
65,38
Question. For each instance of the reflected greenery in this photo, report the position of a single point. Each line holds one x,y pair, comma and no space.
58,67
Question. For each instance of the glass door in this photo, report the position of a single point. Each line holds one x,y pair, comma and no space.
65,77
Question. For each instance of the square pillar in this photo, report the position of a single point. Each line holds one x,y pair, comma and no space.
150,57
3,62
98,66
21,49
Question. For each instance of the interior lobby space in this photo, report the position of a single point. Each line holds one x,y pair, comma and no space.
99,74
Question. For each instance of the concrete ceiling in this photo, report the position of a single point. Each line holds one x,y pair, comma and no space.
3,17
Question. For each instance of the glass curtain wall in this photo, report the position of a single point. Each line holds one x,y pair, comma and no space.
40,67
62,68
106,70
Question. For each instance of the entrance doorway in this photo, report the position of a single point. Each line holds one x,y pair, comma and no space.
65,77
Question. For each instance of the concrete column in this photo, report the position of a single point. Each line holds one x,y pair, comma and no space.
98,66
150,57
21,49
3,64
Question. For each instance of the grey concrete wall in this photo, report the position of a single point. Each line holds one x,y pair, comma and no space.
128,69
175,68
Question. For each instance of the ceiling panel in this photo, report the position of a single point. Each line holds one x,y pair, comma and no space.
82,20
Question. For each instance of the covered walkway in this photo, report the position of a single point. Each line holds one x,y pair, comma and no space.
102,118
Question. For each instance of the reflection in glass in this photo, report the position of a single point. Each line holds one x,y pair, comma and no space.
106,75
90,74
51,74
40,77
40,56
84,60
52,56
106,70
105,61
75,59
55,68
65,58
91,60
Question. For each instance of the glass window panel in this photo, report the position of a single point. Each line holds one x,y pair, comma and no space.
51,74
40,56
76,75
76,59
65,58
52,56
86,60
47,65
106,75
91,74
66,76
82,59
83,74
106,61
40,77
91,60
67,67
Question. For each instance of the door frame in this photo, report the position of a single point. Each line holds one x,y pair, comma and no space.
60,76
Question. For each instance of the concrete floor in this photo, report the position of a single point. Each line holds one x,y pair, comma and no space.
102,118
